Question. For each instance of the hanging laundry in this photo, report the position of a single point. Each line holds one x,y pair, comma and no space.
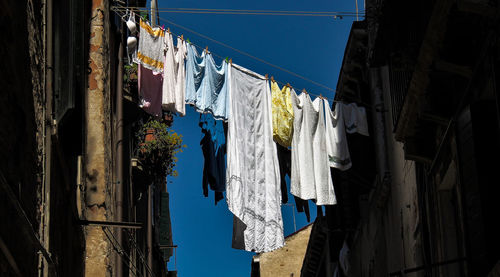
213,145
285,162
311,177
282,114
253,181
206,83
174,76
336,140
355,119
151,47
149,85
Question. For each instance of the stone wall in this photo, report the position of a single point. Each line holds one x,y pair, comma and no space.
20,126
286,261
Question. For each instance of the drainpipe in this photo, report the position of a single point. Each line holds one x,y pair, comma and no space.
119,151
379,128
153,13
47,135
149,228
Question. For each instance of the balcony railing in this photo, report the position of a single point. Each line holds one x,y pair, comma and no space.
400,77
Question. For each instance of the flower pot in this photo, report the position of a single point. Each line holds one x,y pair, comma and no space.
150,135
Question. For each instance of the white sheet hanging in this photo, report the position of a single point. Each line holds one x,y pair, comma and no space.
336,140
174,76
355,119
311,177
253,180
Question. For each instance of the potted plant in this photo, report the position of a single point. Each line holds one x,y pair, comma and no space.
130,75
157,147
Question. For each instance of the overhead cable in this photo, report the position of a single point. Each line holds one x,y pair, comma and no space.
247,12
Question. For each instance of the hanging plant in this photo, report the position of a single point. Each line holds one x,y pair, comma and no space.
158,146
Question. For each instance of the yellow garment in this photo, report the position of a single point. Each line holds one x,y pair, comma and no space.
282,114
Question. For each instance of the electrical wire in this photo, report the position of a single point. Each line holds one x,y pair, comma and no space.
222,58
120,251
251,56
141,255
274,14
235,10
246,12
247,54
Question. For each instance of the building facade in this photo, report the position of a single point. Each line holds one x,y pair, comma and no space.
286,261
421,200
75,200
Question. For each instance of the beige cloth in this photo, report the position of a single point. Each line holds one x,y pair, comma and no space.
151,47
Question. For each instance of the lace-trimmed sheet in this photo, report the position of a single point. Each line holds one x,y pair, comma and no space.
253,180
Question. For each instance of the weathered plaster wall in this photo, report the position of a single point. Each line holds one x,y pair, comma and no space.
98,260
287,260
389,239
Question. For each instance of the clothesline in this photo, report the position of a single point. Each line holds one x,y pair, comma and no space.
223,58
246,54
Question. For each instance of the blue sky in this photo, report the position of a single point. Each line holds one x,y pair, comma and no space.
310,46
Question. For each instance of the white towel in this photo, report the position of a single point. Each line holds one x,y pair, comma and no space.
311,177
174,76
355,119
253,180
336,141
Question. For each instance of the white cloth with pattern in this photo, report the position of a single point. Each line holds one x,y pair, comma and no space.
253,179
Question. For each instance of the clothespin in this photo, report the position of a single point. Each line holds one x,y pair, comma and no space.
206,49
227,59
182,37
266,76
187,39
288,85
168,29
231,61
272,78
304,91
321,96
